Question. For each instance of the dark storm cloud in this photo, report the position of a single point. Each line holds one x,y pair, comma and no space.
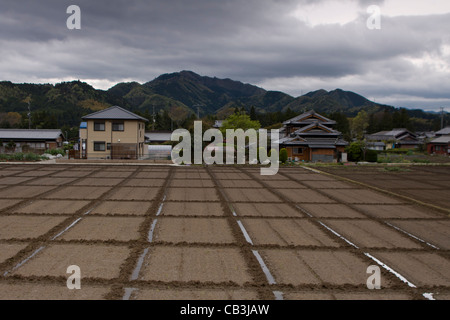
252,41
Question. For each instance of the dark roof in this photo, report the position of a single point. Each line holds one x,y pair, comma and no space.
308,129
114,112
394,134
30,134
313,142
309,117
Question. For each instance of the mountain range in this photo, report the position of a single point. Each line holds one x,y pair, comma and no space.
69,101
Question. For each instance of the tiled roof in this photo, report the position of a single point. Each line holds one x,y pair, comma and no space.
307,117
442,139
29,134
445,131
113,113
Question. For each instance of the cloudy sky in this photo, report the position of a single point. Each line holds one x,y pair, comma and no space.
294,46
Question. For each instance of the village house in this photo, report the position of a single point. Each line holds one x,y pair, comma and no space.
440,145
30,140
311,137
393,139
113,133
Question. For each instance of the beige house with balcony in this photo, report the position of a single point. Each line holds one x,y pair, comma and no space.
113,133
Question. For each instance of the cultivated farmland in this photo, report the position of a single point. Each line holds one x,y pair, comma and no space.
217,232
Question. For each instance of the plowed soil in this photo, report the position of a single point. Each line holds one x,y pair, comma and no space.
217,232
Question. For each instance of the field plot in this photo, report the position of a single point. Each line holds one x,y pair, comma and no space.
200,230
217,265
430,184
218,232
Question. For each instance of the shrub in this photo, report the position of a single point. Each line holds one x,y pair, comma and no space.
354,151
371,156
55,152
20,157
283,155
398,151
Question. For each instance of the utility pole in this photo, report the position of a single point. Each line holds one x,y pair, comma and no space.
154,120
29,115
198,109
442,118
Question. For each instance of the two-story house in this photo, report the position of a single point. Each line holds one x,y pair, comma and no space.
113,133
310,137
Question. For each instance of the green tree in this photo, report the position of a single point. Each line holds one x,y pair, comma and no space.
360,124
239,121
253,113
386,121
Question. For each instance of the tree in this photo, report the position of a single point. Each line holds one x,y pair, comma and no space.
178,114
342,124
360,124
239,121
253,113
387,121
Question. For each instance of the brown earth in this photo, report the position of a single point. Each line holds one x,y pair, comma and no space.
215,230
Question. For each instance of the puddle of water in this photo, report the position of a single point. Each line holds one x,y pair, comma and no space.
266,271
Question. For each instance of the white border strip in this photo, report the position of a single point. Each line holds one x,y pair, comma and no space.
247,237
411,235
73,223
269,276
24,261
152,229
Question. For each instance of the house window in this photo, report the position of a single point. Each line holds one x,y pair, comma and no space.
99,146
99,126
108,146
438,148
298,150
117,126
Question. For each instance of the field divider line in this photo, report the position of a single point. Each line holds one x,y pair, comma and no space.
270,279
17,266
70,226
385,266
411,235
244,232
380,190
139,263
368,216
379,262
264,267
40,195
